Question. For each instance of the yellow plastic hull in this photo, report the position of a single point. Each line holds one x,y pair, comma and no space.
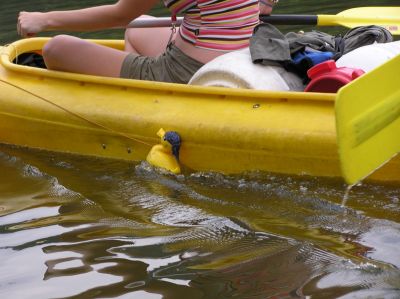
223,130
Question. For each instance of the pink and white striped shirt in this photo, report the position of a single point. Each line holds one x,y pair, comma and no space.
223,25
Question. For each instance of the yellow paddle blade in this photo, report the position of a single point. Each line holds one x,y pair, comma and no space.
387,17
368,121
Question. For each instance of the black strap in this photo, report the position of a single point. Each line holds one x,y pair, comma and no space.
339,47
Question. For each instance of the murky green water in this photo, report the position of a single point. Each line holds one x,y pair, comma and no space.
73,227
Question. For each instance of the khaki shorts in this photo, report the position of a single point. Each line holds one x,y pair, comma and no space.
171,66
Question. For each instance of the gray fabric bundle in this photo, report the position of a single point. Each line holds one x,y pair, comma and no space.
270,47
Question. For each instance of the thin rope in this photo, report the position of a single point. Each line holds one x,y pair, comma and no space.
76,114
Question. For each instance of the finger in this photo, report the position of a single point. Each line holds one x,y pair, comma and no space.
22,31
19,28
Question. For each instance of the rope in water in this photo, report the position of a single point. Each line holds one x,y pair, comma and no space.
76,114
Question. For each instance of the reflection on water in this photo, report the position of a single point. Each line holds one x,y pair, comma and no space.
84,228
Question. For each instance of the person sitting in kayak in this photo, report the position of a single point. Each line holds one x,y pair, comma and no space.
209,29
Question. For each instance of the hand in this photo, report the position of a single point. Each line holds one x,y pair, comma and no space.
266,6
30,23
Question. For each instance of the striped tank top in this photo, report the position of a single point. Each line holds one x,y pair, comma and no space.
223,25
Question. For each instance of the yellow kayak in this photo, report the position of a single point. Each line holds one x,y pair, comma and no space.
222,130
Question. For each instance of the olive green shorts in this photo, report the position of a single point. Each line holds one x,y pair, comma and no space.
171,66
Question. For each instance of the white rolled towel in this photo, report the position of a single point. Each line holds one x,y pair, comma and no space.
236,70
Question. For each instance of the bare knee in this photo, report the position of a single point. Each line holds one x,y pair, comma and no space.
56,48
147,41
132,38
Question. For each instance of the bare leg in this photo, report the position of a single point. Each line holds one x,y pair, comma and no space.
72,54
147,41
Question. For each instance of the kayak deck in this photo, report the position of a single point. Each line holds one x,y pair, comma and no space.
222,130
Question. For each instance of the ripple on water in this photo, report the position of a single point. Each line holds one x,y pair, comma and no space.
138,231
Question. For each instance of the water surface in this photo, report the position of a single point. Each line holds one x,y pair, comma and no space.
72,227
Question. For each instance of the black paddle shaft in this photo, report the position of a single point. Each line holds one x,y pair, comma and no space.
290,19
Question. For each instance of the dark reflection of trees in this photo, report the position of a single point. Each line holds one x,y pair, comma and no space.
278,275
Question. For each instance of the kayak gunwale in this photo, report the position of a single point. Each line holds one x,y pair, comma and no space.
10,52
